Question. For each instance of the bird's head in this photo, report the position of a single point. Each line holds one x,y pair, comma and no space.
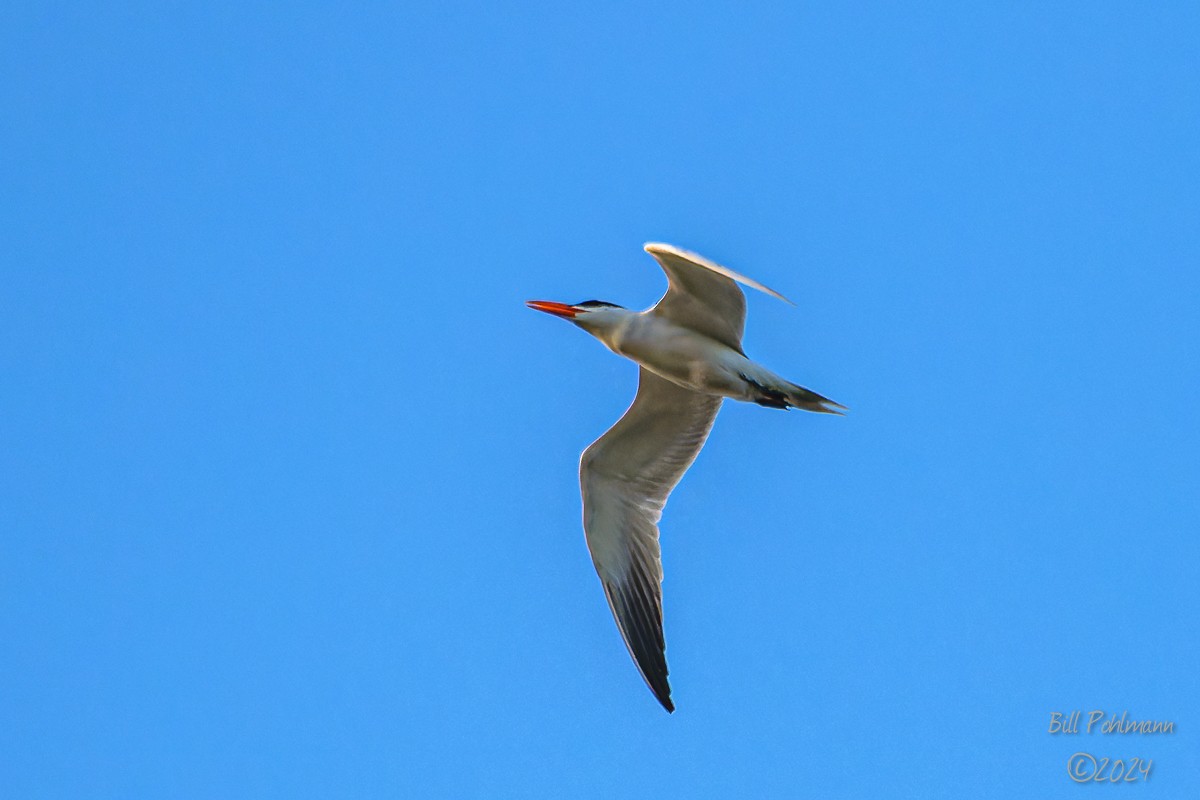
594,316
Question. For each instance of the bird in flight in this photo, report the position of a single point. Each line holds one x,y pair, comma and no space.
688,349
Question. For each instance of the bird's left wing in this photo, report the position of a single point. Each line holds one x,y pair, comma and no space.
703,296
626,476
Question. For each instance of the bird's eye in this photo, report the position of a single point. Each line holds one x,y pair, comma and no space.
592,304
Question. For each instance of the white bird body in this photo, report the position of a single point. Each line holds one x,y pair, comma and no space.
682,356
678,354
689,349
688,359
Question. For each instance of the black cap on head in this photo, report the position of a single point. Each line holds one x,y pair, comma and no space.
597,304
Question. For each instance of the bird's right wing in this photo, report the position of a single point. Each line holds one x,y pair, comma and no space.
626,476
703,296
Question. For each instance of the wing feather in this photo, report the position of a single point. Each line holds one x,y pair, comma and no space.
703,295
625,477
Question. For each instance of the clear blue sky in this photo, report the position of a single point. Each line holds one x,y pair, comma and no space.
288,498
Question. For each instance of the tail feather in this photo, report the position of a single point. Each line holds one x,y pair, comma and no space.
808,400
768,389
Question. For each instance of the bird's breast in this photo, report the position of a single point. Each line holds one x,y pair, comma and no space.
678,354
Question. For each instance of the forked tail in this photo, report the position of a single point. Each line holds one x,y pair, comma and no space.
778,393
799,397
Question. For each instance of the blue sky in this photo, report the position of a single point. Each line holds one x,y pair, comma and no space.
289,503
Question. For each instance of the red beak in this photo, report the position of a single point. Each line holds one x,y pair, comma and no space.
550,307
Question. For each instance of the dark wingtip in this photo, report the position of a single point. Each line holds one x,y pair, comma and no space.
659,687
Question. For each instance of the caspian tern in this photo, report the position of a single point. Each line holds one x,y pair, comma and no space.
689,350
